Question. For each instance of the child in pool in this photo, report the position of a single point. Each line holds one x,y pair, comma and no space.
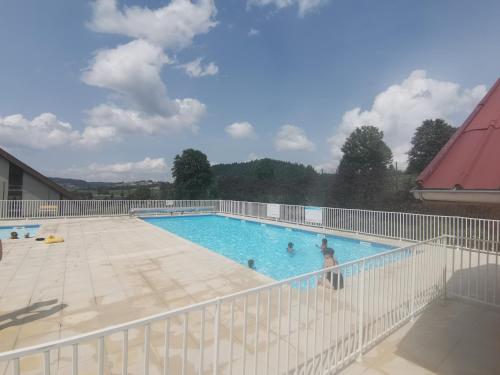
251,264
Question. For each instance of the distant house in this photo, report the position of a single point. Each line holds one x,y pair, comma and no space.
21,182
467,169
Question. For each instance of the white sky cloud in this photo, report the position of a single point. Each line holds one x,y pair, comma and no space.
171,26
133,71
196,69
253,32
293,138
42,132
93,136
240,130
401,108
304,6
253,156
149,168
187,114
47,131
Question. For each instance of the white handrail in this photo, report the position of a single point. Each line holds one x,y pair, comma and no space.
384,290
395,225
388,224
367,274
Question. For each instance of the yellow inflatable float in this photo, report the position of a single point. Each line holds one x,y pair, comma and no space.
53,239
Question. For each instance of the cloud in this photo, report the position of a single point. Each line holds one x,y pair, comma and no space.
123,171
293,138
47,131
172,26
253,32
253,156
186,114
401,108
132,70
196,69
304,6
240,130
95,136
42,132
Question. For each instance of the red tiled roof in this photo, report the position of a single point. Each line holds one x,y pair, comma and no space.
471,158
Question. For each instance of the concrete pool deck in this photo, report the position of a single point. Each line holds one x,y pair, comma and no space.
108,271
116,269
450,337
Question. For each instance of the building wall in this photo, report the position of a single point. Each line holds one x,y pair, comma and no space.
4,178
34,189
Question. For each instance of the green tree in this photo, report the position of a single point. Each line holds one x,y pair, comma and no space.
141,193
429,138
167,190
264,169
363,169
192,175
268,180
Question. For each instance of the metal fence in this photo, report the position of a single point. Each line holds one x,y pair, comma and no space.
315,323
473,266
38,209
474,233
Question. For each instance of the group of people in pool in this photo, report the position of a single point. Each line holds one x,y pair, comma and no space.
15,236
335,279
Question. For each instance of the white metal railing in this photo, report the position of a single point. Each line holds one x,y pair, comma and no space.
474,270
397,225
478,233
83,208
300,325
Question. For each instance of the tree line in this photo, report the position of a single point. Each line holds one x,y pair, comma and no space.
365,178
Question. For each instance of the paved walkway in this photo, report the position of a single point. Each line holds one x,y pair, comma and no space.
113,270
450,337
108,271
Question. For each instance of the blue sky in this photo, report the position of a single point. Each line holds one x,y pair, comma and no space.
112,90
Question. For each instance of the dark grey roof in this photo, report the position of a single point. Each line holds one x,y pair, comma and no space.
37,175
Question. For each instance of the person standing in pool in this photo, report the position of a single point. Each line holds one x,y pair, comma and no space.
290,249
13,236
335,279
324,246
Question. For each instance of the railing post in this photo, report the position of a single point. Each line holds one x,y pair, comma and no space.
445,263
361,311
412,301
216,336
16,367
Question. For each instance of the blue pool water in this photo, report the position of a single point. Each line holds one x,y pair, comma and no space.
241,240
21,231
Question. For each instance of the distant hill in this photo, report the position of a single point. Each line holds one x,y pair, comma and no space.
269,180
115,190
76,184
264,180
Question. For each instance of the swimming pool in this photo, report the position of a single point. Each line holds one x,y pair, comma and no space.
20,229
241,240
